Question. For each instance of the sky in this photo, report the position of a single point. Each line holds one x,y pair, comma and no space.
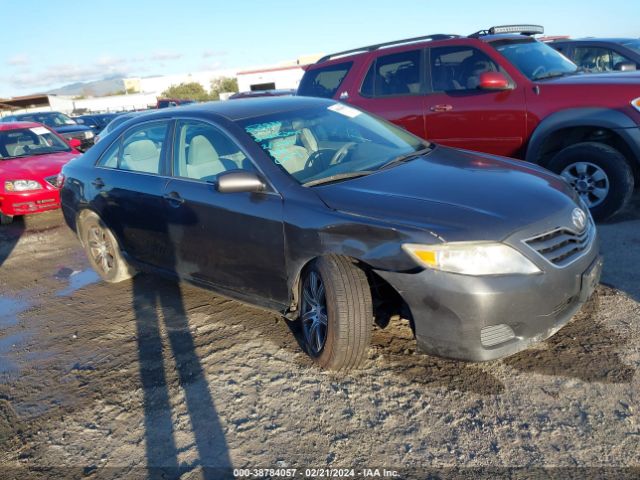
47,44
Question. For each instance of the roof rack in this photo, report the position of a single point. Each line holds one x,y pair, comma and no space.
370,48
521,29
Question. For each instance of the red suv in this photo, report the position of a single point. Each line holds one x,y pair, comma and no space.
502,92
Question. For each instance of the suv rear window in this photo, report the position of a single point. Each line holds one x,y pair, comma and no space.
395,74
323,82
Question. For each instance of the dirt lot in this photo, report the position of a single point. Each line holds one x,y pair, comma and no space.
115,381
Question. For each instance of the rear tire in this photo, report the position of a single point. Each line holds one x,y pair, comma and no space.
103,249
592,168
336,313
5,219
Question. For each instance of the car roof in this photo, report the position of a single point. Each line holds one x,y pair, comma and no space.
248,108
393,47
31,114
588,39
18,125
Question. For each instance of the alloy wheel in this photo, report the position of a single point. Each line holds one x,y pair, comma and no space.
314,313
589,180
101,248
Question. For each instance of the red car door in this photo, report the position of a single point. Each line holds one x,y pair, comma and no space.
394,88
459,114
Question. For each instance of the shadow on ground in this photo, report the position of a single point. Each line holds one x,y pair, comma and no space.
9,236
157,302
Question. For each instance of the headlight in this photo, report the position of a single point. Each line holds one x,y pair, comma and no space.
472,258
636,104
88,134
21,185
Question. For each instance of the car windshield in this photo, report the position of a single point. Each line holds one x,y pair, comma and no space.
52,120
321,144
26,142
632,44
534,59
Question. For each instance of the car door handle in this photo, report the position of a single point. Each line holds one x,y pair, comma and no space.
174,199
98,183
442,108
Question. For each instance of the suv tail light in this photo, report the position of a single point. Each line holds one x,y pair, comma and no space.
60,180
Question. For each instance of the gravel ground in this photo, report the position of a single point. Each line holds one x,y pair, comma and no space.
150,378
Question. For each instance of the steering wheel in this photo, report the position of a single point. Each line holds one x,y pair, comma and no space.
340,155
314,161
537,71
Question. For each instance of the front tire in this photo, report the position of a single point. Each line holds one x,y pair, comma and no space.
5,219
599,173
336,313
103,250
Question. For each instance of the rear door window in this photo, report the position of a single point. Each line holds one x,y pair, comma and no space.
140,149
325,81
396,74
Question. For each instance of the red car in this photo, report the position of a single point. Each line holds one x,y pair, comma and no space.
502,92
31,157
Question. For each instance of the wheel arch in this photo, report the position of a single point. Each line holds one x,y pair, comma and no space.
568,127
387,300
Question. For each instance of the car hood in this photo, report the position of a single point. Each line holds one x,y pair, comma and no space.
613,78
458,195
71,128
36,167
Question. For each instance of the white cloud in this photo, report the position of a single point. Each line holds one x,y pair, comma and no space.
213,53
18,59
166,55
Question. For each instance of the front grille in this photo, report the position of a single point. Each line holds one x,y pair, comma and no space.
53,180
562,246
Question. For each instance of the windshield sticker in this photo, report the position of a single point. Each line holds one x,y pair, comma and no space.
40,130
344,110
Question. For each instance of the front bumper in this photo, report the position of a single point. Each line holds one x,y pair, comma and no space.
26,203
485,318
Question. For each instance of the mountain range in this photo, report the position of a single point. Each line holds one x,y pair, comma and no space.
96,88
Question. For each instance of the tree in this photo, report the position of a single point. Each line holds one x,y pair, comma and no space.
223,85
187,91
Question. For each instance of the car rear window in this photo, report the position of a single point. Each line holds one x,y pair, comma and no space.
325,81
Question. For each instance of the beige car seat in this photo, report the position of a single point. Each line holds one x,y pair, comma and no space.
141,156
291,156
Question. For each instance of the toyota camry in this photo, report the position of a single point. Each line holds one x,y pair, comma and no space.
337,219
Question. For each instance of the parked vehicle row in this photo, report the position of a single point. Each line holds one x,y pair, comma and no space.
97,121
332,216
500,91
61,123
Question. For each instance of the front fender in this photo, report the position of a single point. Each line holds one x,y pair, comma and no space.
610,119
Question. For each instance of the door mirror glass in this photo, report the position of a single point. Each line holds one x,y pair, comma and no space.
240,181
493,81
625,67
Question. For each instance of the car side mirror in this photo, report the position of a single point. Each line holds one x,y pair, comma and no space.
75,143
625,67
493,81
240,181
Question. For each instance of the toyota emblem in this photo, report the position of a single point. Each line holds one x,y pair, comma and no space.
579,219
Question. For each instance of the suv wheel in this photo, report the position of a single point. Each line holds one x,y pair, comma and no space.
336,313
599,173
5,219
103,250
